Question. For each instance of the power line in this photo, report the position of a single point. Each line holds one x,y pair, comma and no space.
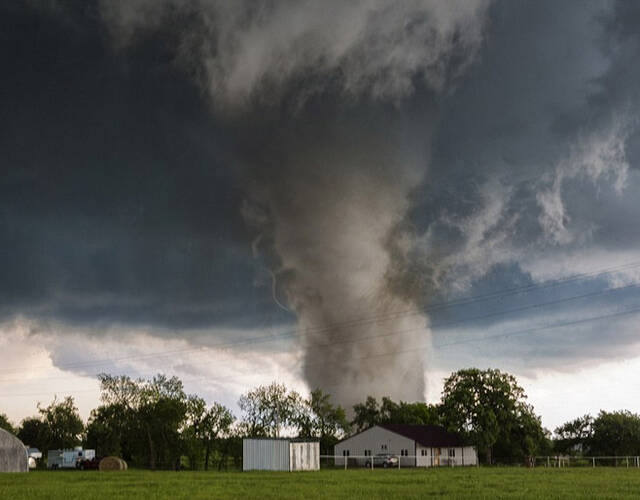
444,345
435,325
490,337
541,328
463,341
355,322
485,316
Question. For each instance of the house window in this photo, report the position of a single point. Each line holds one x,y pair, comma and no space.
345,453
423,452
404,453
383,447
367,453
452,452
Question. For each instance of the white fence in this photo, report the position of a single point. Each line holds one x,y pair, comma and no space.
403,461
575,461
409,461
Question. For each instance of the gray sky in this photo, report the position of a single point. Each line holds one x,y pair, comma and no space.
237,193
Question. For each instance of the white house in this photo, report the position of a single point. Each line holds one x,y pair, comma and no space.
414,445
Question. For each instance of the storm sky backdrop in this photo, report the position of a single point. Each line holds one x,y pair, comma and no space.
361,196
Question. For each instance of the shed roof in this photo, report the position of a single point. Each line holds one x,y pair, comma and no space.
426,435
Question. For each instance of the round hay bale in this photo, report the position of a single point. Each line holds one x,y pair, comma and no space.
112,463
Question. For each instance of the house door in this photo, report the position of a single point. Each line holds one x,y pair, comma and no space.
436,456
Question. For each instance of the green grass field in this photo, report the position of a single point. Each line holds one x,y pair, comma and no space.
365,484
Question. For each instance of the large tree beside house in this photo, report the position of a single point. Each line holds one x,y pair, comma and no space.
490,409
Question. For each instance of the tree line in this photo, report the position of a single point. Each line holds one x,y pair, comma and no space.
609,434
154,423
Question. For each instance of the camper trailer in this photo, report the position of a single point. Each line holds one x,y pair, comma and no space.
69,459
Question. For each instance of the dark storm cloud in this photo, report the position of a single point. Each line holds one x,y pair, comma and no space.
325,147
146,145
117,200
534,170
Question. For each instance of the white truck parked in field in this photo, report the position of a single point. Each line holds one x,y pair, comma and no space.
69,459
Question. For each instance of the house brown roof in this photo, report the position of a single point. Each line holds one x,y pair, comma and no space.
427,435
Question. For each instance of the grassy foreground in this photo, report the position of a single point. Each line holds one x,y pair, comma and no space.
365,484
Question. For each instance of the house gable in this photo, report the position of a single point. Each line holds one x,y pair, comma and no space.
375,440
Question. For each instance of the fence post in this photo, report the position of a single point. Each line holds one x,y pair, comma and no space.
627,462
548,460
345,462
399,460
593,460
371,461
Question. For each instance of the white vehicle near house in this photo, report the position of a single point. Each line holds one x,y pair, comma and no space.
69,459
34,455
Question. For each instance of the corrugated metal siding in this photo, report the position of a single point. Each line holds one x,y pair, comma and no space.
305,456
13,454
265,454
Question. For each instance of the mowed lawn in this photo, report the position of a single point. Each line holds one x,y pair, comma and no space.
508,482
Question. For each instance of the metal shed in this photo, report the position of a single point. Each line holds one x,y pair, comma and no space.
13,454
283,454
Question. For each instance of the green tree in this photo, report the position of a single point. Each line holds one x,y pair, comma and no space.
6,424
574,435
153,413
417,413
63,427
320,419
107,430
268,409
206,426
488,407
161,413
366,414
372,413
615,434
33,432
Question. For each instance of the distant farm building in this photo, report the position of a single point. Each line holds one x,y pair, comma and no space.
13,454
280,454
414,445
